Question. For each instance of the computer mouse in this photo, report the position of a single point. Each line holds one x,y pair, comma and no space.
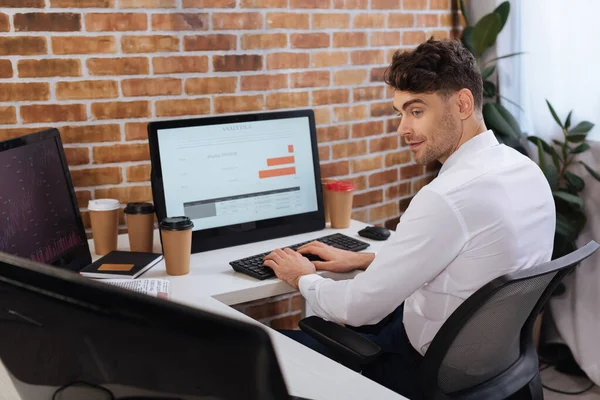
375,233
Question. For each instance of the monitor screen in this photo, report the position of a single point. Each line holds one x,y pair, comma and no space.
233,173
39,218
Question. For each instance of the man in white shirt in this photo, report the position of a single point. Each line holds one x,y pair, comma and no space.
489,212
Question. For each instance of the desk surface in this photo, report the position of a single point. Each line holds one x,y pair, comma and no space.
212,285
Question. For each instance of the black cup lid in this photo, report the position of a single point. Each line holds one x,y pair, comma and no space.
176,224
139,208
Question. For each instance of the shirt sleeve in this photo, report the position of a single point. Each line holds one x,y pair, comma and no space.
429,236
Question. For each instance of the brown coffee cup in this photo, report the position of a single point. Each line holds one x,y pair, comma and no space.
324,183
176,236
140,226
340,196
104,216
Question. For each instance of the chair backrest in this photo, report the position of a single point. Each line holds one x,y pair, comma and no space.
492,329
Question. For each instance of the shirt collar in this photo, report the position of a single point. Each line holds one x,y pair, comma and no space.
474,145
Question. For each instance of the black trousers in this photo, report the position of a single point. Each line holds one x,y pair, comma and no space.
397,368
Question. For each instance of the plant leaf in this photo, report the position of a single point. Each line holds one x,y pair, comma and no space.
557,142
580,149
582,127
595,174
568,120
496,121
489,89
554,114
503,10
549,171
467,39
575,181
569,198
485,32
463,9
547,148
576,137
491,60
487,72
564,228
511,121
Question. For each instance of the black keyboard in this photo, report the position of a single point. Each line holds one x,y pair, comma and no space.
254,267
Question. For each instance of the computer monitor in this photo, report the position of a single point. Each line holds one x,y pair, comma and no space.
39,215
240,178
65,337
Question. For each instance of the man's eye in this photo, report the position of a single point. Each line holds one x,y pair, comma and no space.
416,113
399,115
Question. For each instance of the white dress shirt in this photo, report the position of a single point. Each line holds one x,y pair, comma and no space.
490,211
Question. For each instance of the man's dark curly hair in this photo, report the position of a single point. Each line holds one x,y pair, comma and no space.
443,66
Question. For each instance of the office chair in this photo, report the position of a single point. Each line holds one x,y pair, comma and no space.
485,349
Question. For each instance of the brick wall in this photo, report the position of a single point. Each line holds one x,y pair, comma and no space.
99,70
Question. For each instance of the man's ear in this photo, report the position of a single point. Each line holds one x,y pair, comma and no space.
466,103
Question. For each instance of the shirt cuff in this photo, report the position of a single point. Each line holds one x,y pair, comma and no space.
305,282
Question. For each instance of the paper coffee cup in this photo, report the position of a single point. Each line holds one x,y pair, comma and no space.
340,196
324,183
104,217
140,226
176,236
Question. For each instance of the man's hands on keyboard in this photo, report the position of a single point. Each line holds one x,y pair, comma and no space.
289,265
334,259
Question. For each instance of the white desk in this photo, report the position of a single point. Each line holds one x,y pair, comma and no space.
212,285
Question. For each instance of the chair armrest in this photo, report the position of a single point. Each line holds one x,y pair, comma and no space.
349,344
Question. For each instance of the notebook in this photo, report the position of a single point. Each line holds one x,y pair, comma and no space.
121,265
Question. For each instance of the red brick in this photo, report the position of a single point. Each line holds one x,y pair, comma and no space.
414,4
23,3
322,115
138,173
147,3
309,40
118,66
121,109
359,182
377,74
382,109
440,34
48,68
126,194
83,197
297,303
264,41
329,59
413,37
369,20
411,171
22,46
385,39
53,113
309,79
385,143
401,20
262,3
385,4
287,322
351,4
180,22
383,178
287,60
349,149
210,85
47,22
4,23
90,133
82,3
365,57
208,3
439,4
330,96
149,44
398,157
350,39
331,133
24,91
339,168
231,63
77,155
210,42
178,107
271,309
330,21
421,183
367,93
121,153
178,65
264,82
136,130
17,132
100,22
86,90
360,215
83,44
151,87
427,20
96,176
312,4
391,125
349,77
367,164
287,100
287,20
350,113
384,211
230,104
324,152
8,115
367,198
237,21
400,190
371,128
6,70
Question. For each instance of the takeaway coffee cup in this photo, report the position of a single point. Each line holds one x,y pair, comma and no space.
324,183
176,234
104,216
340,195
140,226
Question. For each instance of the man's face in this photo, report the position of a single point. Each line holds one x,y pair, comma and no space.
428,125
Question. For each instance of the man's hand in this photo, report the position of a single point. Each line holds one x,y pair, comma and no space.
336,260
289,266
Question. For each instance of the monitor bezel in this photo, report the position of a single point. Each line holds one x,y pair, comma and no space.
78,257
250,232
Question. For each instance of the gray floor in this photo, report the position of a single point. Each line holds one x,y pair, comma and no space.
566,383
